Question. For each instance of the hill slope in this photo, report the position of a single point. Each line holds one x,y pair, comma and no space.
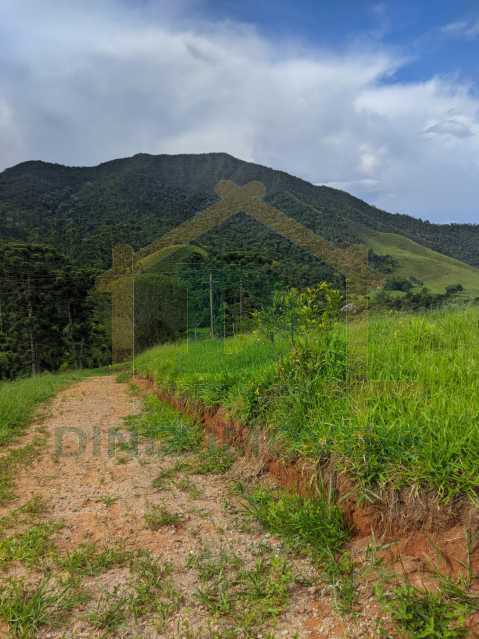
434,269
84,211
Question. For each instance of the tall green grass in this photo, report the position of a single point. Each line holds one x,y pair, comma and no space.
413,421
211,370
19,399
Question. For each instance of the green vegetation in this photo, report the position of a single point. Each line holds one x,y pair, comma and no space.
48,319
83,211
189,487
11,461
429,614
177,433
111,611
214,460
435,270
153,589
28,547
88,560
406,425
19,399
314,525
29,513
45,209
27,608
158,516
251,596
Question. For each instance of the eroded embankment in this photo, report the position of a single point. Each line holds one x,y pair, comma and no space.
423,534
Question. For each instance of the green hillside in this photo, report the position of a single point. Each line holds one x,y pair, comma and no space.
84,211
434,269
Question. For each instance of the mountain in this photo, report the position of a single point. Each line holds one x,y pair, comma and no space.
84,211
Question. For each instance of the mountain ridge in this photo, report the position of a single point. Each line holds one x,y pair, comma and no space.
85,209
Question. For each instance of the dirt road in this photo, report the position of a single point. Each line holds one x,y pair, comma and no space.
105,539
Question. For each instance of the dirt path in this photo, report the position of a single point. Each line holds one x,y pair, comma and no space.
144,546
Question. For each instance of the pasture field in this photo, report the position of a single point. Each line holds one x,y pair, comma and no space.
436,270
413,421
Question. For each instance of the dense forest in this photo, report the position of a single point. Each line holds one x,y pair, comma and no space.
49,317
84,211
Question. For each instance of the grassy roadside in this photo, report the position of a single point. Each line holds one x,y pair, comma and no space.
311,528
235,581
412,423
19,399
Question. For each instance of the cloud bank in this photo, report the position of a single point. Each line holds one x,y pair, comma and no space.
82,83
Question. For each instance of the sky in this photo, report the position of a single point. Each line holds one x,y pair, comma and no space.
378,98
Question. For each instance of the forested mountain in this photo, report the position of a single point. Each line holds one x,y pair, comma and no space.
84,211
58,226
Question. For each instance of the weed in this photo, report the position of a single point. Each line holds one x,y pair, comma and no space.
10,462
308,524
30,546
123,377
341,574
108,500
35,506
153,589
314,526
19,399
30,512
27,608
159,516
246,598
430,615
87,560
110,612
187,486
215,460
163,477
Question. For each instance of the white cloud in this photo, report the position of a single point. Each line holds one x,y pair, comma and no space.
462,29
85,82
457,126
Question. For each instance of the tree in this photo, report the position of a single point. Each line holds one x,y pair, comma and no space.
294,311
46,312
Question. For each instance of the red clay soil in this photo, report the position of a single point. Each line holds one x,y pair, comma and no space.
421,533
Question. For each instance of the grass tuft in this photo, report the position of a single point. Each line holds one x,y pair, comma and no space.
28,608
30,546
429,615
214,460
252,596
159,516
308,524
88,561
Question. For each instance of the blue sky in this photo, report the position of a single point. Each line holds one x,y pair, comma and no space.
416,29
380,99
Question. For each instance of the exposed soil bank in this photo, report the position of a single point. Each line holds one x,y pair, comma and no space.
419,530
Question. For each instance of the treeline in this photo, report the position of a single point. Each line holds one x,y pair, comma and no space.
49,317
409,294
